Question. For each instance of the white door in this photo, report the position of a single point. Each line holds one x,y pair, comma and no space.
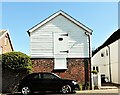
60,45
60,50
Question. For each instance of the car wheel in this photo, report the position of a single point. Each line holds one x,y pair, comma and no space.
26,90
66,89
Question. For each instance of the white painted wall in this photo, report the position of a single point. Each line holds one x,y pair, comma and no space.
119,61
42,39
114,61
103,62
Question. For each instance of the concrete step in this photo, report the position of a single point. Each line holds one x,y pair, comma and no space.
109,87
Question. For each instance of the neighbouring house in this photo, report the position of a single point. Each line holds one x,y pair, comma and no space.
5,46
106,59
62,45
5,42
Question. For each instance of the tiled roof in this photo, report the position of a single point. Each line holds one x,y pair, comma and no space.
115,36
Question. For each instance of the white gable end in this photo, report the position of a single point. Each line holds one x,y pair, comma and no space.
42,39
66,16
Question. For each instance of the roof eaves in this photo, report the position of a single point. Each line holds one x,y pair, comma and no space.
10,42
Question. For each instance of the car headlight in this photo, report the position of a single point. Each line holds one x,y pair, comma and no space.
74,82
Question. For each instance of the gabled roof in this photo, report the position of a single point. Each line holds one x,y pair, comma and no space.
66,16
3,33
115,36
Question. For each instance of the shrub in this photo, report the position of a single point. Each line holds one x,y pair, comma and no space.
94,72
16,61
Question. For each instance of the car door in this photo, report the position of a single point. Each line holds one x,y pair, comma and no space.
38,82
34,81
51,82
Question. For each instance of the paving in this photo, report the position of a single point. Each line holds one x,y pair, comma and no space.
83,92
104,90
100,91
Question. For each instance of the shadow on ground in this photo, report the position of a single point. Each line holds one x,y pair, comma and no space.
44,93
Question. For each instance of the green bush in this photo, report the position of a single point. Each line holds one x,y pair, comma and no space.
94,72
16,61
80,86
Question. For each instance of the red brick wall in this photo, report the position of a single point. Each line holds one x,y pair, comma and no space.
75,71
7,47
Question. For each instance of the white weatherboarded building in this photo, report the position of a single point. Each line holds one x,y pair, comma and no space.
106,59
61,44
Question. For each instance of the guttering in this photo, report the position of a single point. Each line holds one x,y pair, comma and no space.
109,65
88,34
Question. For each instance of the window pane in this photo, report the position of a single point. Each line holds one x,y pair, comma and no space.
32,76
102,55
49,76
46,76
97,69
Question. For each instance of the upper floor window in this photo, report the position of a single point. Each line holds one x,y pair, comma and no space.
106,52
102,54
97,69
6,40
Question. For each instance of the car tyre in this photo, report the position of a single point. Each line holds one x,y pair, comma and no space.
66,89
25,90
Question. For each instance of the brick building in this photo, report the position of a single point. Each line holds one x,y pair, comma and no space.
5,42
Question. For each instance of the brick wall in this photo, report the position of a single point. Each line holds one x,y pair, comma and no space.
75,71
6,46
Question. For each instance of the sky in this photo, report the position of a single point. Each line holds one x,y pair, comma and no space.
18,17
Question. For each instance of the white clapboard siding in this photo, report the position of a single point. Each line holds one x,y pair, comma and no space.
42,39
41,44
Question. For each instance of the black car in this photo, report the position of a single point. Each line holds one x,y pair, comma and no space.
46,82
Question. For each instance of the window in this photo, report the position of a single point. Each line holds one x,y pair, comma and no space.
106,52
60,64
102,54
33,76
6,38
97,69
49,76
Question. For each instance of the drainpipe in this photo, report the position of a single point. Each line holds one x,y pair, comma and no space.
109,64
89,58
